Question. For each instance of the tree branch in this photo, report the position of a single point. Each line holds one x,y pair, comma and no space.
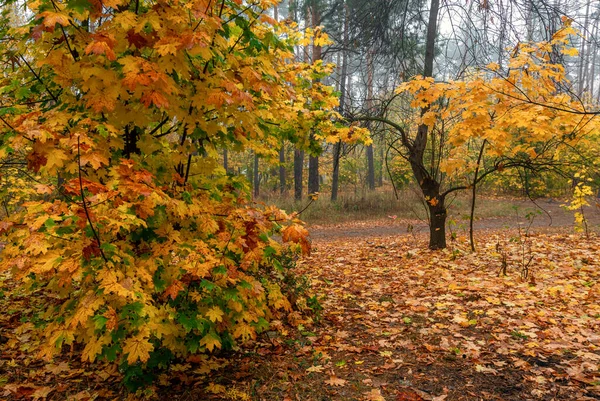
85,208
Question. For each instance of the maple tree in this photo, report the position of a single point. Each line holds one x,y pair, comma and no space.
492,120
148,250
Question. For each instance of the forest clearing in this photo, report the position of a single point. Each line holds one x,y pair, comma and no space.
299,200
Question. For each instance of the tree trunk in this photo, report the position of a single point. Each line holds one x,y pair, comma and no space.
382,162
225,161
337,148
437,225
369,104
502,33
582,53
429,186
298,173
282,169
592,76
370,168
256,178
313,161
313,174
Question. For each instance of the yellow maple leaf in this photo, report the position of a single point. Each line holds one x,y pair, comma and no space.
113,3
137,347
93,347
211,342
47,263
56,158
493,66
215,314
216,388
429,118
87,306
166,48
322,40
110,284
244,331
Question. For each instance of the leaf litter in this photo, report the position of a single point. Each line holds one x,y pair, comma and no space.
399,322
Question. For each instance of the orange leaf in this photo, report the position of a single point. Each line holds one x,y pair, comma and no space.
298,235
174,289
101,48
155,98
52,18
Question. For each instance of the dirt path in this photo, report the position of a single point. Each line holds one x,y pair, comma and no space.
548,213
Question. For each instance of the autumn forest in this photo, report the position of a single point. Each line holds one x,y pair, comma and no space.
299,200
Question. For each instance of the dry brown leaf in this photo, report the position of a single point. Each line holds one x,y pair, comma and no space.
335,381
374,395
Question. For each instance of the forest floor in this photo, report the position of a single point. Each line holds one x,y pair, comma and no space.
517,320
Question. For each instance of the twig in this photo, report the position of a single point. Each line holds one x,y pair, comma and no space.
85,208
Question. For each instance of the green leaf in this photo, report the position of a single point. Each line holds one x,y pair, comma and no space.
110,352
109,248
219,270
7,110
208,285
79,6
189,323
99,322
278,265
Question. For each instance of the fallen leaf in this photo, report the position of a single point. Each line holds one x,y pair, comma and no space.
42,392
335,381
374,395
315,369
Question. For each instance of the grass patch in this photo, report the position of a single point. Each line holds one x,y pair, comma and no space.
382,204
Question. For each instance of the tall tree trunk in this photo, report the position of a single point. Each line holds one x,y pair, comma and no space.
225,161
592,77
337,148
428,183
582,54
502,34
370,168
298,173
369,104
313,160
530,16
382,162
437,225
